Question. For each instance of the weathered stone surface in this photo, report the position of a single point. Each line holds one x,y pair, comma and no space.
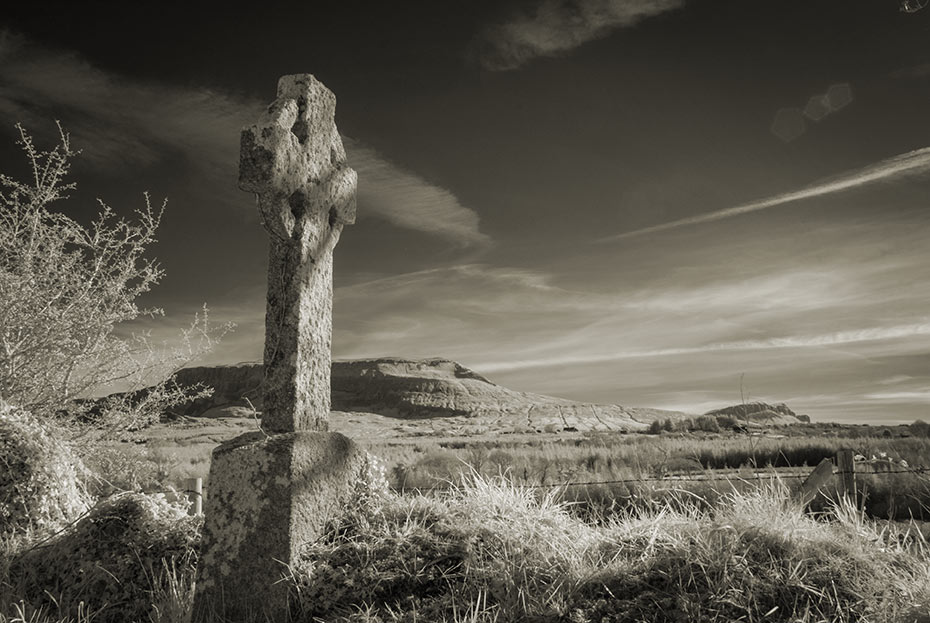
294,161
270,494
267,497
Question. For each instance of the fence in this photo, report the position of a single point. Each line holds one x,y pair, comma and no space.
193,487
842,467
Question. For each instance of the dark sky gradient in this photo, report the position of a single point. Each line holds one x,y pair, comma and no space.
543,185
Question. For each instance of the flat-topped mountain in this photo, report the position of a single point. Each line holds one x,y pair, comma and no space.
410,390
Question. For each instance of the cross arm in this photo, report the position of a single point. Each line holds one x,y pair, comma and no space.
270,163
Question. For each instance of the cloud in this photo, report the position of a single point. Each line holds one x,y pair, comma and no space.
905,397
916,71
799,289
555,27
915,162
406,200
462,312
838,338
124,125
896,379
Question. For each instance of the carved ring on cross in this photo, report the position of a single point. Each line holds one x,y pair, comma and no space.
294,161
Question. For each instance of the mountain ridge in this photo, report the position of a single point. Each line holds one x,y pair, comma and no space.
423,389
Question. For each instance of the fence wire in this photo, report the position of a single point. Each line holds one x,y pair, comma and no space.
685,477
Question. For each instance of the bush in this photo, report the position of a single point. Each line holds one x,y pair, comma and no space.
920,428
706,423
41,478
114,560
65,287
117,469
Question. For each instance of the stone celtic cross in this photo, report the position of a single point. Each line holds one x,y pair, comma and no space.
271,492
294,161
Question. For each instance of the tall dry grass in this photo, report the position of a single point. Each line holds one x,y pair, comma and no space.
638,461
498,552
488,549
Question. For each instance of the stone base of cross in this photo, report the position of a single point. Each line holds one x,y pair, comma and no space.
267,497
272,492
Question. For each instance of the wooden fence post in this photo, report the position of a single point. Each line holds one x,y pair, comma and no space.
846,469
817,479
193,487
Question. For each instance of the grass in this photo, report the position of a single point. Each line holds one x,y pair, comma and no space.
489,550
492,545
131,557
592,457
612,454
613,457
495,551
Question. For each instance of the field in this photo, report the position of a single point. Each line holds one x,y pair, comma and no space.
635,467
677,526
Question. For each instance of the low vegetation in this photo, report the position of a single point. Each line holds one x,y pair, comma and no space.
634,468
116,563
492,551
78,538
41,478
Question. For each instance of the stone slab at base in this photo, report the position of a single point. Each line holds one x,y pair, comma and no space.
267,497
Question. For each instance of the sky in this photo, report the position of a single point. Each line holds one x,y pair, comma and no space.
650,203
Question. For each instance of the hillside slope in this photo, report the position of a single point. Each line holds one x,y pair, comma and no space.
409,390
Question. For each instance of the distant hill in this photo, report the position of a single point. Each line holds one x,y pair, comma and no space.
410,390
760,412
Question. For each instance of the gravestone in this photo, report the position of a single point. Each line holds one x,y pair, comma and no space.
270,492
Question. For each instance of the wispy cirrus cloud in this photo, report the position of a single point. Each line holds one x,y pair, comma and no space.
905,397
838,338
915,162
555,27
915,71
126,124
404,199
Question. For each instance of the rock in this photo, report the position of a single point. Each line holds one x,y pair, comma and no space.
298,480
294,162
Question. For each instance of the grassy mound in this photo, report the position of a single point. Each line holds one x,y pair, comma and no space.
40,478
113,563
493,552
